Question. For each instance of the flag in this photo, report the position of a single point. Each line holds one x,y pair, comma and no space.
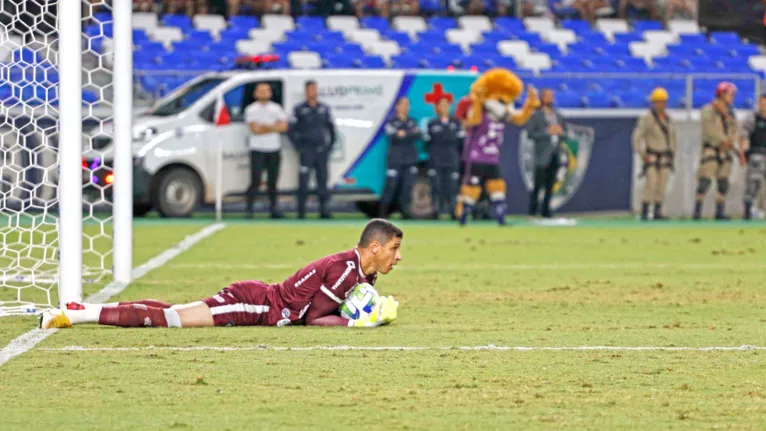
221,116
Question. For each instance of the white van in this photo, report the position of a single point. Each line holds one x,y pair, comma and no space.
175,143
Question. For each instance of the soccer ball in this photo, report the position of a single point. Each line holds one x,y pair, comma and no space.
360,301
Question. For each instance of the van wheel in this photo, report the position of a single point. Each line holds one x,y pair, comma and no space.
140,210
178,192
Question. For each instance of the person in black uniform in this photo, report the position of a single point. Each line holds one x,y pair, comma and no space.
402,132
752,154
444,137
312,131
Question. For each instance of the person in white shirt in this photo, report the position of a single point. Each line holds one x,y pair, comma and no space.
267,120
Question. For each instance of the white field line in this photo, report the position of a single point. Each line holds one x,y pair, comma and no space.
501,267
402,348
27,341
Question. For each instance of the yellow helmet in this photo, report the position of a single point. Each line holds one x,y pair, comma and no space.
659,94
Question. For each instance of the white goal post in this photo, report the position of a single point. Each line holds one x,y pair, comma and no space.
66,207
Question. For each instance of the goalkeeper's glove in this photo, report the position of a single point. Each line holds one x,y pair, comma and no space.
383,314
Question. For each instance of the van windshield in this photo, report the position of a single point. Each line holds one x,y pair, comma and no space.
188,95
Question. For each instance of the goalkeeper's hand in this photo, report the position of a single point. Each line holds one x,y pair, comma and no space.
383,314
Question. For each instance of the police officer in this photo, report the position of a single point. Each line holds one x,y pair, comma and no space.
402,133
312,131
445,139
753,154
719,131
654,140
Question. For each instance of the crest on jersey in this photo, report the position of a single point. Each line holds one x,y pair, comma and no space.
575,156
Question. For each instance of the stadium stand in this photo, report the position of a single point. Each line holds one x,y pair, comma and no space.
630,58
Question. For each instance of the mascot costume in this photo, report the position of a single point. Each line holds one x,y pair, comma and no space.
491,106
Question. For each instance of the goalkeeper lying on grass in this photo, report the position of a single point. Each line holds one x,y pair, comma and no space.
312,295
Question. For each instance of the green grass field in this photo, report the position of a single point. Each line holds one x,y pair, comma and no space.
617,284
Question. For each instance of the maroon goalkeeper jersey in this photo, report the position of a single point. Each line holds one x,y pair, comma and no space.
318,289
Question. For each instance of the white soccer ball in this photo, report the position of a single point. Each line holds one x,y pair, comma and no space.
361,300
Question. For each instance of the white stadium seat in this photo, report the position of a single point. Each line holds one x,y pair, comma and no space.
266,35
647,50
561,37
462,37
536,61
757,62
364,36
513,48
410,24
476,23
278,22
345,24
539,24
212,23
8,44
662,37
610,26
144,20
384,48
167,35
253,47
683,26
304,60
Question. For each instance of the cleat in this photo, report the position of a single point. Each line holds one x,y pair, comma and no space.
54,319
75,306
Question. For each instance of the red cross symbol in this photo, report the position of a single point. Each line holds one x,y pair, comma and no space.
437,95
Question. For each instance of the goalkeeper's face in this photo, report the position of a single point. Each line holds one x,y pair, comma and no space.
386,255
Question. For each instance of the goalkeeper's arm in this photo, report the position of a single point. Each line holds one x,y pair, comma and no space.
322,313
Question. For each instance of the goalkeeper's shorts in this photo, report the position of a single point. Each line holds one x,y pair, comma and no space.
247,303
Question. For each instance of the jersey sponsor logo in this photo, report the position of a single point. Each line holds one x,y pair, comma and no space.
576,149
350,266
219,298
306,277
139,306
147,321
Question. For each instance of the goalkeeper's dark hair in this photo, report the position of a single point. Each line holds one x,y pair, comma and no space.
379,230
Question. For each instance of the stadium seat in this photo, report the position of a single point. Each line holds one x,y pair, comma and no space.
253,47
725,38
345,24
509,25
439,62
166,35
210,23
660,37
513,48
385,48
448,49
441,23
182,22
562,38
485,49
304,60
372,62
568,99
539,24
647,50
243,22
364,36
757,62
338,62
598,100
200,36
475,23
643,26
409,24
536,62
431,37
266,35
553,50
374,22
144,20
576,25
627,38
685,26
594,37
282,23
462,37
405,61
310,23
611,26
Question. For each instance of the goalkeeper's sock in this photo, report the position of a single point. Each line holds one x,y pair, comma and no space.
139,315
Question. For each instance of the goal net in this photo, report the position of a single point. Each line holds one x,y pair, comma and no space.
34,114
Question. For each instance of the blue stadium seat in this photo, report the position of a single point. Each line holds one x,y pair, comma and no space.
725,38
300,36
439,62
484,49
139,36
400,37
614,50
310,23
430,7
26,55
441,23
576,25
337,62
551,49
642,26
102,16
371,62
243,22
432,37
284,48
234,34
495,36
350,49
634,99
377,22
151,46
200,36
593,37
632,65
406,61
568,64
533,39
581,50
334,37
600,65
568,99
448,49
508,24
693,39
598,100
188,46
181,21
744,50
627,38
